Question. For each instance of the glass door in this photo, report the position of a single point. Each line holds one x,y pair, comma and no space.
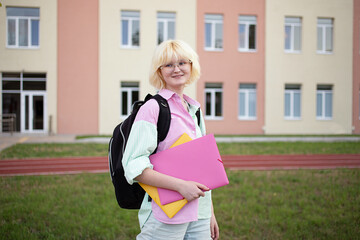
33,112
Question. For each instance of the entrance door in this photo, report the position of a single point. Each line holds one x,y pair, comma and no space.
33,111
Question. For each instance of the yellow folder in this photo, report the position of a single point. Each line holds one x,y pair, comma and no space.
172,208
182,139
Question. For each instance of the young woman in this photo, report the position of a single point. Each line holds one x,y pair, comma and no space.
174,66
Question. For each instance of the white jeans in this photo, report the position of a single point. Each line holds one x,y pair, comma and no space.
155,230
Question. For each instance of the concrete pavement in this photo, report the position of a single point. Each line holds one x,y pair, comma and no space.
7,140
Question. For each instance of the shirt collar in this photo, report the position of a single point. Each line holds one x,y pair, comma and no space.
167,94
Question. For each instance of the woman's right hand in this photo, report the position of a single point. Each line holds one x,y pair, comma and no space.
192,190
188,189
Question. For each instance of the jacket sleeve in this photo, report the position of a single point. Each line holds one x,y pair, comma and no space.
142,141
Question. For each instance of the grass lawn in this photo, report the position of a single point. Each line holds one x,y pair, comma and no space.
301,204
95,149
296,204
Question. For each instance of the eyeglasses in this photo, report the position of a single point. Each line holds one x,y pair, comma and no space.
182,65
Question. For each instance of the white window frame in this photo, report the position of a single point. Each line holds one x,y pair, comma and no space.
247,92
131,20
292,93
324,103
166,18
213,20
29,20
213,91
247,20
324,25
293,22
130,91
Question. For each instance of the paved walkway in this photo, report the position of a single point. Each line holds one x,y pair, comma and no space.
7,140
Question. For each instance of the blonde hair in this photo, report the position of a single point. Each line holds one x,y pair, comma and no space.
164,54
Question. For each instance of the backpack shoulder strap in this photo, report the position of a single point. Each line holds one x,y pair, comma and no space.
164,119
198,116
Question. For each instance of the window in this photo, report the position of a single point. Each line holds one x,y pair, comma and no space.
324,102
213,98
325,35
213,32
292,101
22,27
129,93
166,26
130,23
247,33
292,34
247,101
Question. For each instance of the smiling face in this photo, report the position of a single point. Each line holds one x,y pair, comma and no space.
176,73
173,53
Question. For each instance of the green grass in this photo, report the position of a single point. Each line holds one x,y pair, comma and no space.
92,136
302,204
54,150
290,205
63,207
95,149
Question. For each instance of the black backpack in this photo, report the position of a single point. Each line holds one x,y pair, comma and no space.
131,196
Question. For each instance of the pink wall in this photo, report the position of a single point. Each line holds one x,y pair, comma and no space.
230,66
356,67
78,98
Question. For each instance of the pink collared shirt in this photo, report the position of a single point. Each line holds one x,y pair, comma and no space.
137,160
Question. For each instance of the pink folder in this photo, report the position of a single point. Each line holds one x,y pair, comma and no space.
198,160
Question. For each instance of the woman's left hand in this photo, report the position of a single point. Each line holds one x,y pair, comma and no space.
214,227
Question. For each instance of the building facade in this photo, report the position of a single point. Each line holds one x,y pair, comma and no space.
78,67
231,46
268,66
28,63
129,32
308,62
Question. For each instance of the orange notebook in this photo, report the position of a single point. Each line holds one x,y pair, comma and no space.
172,208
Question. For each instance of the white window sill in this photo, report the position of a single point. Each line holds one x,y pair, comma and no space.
292,118
214,118
247,118
292,52
214,49
23,48
323,119
324,53
247,50
130,47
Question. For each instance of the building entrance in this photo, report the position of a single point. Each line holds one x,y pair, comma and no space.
24,96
